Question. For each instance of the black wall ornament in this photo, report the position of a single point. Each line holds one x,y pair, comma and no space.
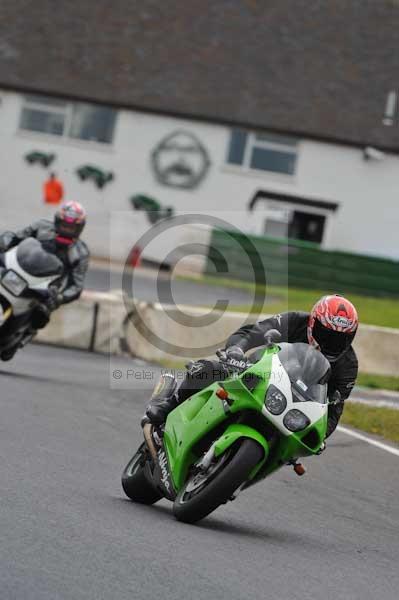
153,209
98,176
180,160
42,158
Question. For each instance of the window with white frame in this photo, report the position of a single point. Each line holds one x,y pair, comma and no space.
262,152
68,119
43,114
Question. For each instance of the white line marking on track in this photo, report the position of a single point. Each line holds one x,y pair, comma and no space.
364,438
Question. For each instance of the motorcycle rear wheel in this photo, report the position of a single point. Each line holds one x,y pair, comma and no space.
134,482
197,499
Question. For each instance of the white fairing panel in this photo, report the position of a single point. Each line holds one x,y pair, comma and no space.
279,378
21,305
35,283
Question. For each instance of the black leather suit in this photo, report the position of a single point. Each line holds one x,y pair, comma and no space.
74,257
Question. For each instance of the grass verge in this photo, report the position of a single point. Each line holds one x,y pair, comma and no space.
378,382
379,421
373,311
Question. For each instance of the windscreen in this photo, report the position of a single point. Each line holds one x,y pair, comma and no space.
308,371
36,261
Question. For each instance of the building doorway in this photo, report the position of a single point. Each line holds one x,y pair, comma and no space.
306,226
294,224
293,217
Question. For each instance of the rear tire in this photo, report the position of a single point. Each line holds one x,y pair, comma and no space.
191,507
134,482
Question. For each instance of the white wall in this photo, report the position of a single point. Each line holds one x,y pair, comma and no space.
366,191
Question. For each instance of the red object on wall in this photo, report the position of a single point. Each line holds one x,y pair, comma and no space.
53,191
135,256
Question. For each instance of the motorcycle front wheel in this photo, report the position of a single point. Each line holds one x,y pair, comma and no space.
134,482
203,492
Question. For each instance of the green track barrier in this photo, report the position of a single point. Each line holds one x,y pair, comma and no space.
302,265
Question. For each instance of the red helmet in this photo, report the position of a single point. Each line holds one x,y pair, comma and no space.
69,221
332,326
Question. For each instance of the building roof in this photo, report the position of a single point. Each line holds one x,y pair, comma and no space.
313,68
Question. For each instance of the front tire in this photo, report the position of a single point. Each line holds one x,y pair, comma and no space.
8,354
134,482
197,500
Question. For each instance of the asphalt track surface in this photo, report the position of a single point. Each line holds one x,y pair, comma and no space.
67,532
148,286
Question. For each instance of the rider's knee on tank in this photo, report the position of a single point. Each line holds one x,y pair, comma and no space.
165,387
163,400
206,370
199,375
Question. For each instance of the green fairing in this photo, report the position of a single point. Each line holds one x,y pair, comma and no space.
200,414
194,467
292,446
234,433
194,419
186,426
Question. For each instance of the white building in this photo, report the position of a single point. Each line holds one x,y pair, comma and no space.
327,193
200,122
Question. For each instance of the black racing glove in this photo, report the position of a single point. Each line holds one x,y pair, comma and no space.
336,398
7,240
233,357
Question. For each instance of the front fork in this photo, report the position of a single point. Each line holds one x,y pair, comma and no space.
161,473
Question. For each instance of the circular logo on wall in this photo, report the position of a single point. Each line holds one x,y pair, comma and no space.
180,160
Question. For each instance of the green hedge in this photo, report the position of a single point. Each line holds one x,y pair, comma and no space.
301,265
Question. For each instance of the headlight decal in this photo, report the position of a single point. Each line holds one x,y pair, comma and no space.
14,283
296,420
275,402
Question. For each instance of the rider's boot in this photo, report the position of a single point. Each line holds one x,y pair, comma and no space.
163,401
40,317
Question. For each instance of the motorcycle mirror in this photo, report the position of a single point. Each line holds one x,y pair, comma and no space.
272,337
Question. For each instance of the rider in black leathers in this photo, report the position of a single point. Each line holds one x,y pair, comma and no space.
59,237
293,327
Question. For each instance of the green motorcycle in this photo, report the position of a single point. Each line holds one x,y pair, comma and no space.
269,411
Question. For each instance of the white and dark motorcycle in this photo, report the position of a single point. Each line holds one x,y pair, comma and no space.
27,272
